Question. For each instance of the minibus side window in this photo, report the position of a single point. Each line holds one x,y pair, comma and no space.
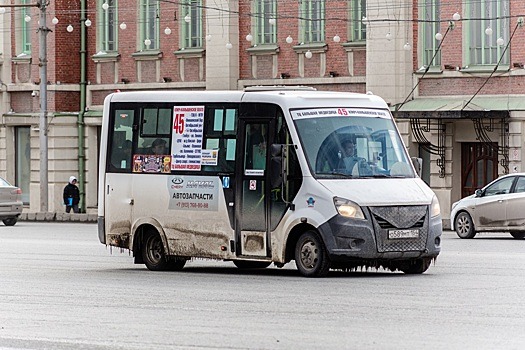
220,139
120,141
294,178
155,131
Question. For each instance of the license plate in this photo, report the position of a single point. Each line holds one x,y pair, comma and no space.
401,234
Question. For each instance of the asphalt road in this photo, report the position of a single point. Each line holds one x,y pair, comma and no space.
61,289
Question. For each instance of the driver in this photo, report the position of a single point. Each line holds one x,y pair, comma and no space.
349,159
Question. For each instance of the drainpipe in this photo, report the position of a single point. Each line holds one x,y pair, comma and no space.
80,122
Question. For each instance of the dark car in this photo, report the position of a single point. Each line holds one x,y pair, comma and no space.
10,203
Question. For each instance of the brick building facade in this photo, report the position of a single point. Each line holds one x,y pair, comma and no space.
142,45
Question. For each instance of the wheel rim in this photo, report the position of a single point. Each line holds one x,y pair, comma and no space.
309,255
463,225
155,250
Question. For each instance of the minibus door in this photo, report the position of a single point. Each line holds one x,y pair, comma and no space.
252,215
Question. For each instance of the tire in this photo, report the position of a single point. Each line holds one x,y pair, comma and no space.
153,253
464,225
311,257
518,235
415,267
243,264
10,221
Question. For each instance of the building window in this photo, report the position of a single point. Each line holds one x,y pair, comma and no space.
313,14
430,26
108,26
23,160
483,48
192,29
26,27
149,25
358,12
264,32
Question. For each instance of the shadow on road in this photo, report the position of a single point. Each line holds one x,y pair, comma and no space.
234,271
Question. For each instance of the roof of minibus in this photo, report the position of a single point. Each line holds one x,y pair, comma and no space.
287,99
316,99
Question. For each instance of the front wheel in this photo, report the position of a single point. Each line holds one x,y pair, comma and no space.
311,257
10,221
464,225
518,235
415,267
153,253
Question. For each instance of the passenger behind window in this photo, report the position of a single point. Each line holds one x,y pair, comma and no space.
158,147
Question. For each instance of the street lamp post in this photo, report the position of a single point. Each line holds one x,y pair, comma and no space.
43,30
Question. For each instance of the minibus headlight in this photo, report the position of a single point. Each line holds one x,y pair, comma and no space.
435,209
348,208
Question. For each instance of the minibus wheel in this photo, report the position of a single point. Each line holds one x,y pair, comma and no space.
311,257
10,221
244,264
415,267
153,253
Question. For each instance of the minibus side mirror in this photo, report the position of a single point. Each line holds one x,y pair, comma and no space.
478,193
418,165
276,165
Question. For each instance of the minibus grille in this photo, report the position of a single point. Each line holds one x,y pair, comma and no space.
407,219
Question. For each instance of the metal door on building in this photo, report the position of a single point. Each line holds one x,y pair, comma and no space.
479,166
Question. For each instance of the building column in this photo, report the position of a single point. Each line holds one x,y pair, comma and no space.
389,66
222,27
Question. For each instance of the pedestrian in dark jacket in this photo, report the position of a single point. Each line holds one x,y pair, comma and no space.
72,195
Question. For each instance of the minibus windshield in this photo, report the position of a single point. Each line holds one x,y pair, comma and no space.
351,143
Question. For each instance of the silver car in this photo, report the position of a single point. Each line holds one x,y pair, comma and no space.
10,203
499,206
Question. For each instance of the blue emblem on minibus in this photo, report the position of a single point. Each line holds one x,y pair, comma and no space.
226,182
310,201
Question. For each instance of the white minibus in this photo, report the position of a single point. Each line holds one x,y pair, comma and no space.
258,177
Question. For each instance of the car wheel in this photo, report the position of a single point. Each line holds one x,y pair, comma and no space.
414,267
10,221
464,225
518,235
153,253
311,257
243,264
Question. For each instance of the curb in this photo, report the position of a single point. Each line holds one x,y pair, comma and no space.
58,217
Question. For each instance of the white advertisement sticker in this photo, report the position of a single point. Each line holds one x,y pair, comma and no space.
186,149
199,193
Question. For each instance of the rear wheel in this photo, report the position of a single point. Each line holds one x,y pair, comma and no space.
243,264
153,253
311,257
464,226
10,221
518,235
415,267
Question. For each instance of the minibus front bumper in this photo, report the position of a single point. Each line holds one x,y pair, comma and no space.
386,233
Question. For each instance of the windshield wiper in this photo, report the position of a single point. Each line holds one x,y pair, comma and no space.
385,176
336,173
